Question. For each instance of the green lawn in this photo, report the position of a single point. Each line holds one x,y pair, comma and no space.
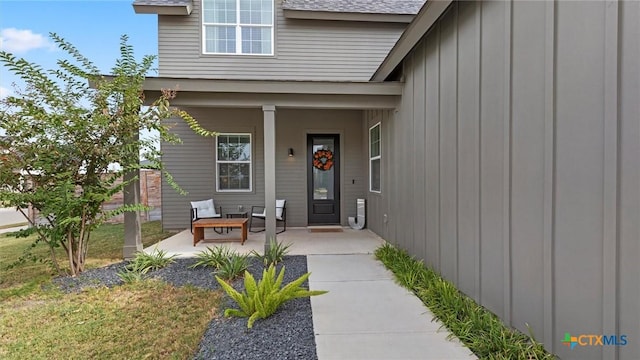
143,320
105,247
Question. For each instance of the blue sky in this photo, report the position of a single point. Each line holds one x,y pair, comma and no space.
93,26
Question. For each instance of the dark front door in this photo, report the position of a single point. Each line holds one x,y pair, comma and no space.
323,178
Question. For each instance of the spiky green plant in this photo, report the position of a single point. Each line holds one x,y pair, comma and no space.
145,262
260,300
212,257
274,253
130,276
475,326
233,266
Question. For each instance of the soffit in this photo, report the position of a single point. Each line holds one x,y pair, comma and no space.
163,7
292,94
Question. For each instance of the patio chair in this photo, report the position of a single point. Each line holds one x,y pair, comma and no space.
259,212
205,209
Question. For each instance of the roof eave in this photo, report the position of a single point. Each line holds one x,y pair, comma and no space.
347,16
183,9
272,86
423,21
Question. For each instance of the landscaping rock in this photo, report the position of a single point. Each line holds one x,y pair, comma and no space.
287,334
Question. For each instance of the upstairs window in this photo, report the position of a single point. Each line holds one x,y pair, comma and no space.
237,27
374,158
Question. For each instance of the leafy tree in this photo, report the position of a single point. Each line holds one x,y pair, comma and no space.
65,130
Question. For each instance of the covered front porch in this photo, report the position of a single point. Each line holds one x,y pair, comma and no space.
274,124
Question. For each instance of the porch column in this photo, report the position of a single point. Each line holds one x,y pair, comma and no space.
132,228
269,113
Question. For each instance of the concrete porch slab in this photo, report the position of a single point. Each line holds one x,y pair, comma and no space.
303,242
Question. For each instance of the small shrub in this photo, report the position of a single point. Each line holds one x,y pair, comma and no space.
233,266
130,276
228,264
261,300
143,262
213,257
274,254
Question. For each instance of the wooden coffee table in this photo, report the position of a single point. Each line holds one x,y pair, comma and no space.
200,225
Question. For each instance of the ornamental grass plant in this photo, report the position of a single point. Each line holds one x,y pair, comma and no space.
227,263
274,254
479,329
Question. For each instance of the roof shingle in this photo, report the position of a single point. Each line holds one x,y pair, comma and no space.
409,7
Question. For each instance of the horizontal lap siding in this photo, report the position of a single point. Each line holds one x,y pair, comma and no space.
522,108
304,50
192,163
292,127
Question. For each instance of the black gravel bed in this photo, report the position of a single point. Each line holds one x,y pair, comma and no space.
104,276
287,334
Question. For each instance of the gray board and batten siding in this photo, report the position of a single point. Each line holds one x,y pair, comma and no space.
304,50
193,166
512,165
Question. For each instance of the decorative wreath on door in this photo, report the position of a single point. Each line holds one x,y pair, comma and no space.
323,159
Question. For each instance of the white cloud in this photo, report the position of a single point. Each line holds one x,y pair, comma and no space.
19,41
4,92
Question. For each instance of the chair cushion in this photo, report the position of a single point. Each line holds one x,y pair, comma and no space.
279,209
206,208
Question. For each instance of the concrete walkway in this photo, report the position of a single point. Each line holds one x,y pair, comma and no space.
365,314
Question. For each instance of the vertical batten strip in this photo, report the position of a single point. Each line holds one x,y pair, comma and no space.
423,198
549,173
437,176
506,167
457,148
611,179
425,149
478,258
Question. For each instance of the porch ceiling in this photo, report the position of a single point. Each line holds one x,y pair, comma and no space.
285,94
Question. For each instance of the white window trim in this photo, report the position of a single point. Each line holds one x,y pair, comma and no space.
378,157
250,162
238,27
